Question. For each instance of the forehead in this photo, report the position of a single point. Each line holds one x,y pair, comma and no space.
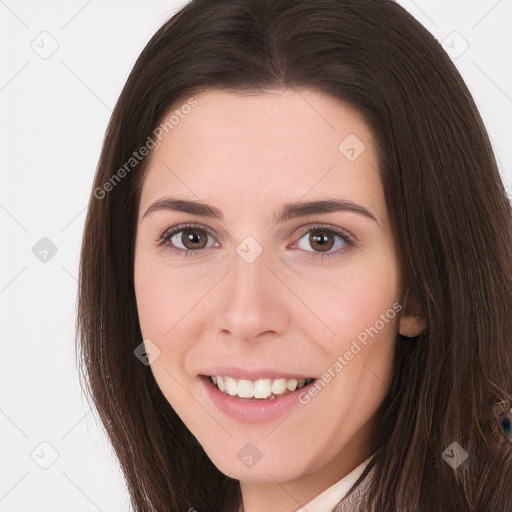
240,148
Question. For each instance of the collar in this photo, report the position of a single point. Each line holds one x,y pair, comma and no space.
328,499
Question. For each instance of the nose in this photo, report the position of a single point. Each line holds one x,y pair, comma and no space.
254,302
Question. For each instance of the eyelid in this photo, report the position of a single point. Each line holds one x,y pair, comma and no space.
169,232
172,230
327,227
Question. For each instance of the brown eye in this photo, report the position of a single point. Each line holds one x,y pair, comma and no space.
321,240
186,240
325,242
193,238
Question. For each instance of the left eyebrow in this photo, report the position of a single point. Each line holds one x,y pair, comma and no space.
300,209
288,211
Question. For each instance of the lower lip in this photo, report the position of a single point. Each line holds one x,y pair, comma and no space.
251,411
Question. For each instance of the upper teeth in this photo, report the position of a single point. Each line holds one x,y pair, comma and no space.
261,388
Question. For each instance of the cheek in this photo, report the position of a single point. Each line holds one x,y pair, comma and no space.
162,307
164,296
153,304
170,306
355,298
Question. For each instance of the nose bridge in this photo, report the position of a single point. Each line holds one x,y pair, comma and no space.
250,272
253,304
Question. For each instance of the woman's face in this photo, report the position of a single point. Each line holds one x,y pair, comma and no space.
263,288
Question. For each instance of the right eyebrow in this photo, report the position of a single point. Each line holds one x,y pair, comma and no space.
186,206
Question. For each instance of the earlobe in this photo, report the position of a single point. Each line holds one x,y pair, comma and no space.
411,325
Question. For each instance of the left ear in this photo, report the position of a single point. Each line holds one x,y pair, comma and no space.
411,325
412,321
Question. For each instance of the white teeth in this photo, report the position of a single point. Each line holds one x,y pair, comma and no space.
231,385
245,388
278,386
261,388
291,385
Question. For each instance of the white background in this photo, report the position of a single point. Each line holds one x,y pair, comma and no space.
54,114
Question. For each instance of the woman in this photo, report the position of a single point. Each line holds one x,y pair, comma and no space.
295,283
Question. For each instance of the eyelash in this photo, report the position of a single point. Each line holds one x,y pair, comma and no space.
165,239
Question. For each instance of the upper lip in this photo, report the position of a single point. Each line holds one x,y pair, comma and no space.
253,373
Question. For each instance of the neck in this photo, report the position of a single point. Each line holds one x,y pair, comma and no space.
288,496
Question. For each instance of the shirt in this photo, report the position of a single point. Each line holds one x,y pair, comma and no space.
333,498
328,500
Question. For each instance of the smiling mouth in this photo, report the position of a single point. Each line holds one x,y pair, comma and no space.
261,389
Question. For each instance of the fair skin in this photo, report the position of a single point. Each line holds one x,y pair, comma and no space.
248,155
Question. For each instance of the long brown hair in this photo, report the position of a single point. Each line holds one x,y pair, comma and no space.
450,214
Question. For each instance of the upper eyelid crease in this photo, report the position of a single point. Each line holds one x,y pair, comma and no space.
334,230
288,211
167,235
173,230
